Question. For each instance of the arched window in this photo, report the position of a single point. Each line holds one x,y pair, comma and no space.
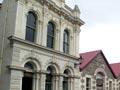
31,27
50,35
100,81
27,80
66,42
65,80
49,79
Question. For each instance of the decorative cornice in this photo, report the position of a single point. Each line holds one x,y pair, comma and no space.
62,12
14,39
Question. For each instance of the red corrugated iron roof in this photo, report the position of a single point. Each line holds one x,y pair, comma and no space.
116,69
88,57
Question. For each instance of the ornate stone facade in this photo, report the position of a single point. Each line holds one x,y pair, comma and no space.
22,59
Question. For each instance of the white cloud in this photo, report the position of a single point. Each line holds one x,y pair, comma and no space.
102,28
1,1
104,37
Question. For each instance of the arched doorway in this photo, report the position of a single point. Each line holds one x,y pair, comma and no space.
49,82
100,80
27,80
66,80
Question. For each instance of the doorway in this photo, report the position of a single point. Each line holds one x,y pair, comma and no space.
27,82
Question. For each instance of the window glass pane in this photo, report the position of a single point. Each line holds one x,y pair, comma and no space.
66,37
88,83
30,34
50,41
31,20
65,85
50,35
29,66
50,29
30,27
66,42
49,77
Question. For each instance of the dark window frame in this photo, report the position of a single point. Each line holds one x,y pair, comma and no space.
88,83
31,25
66,80
110,85
66,43
49,79
51,35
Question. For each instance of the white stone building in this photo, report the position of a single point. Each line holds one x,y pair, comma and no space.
39,49
39,45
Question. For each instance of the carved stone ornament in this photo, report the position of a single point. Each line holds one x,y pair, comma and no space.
61,12
82,80
82,86
82,74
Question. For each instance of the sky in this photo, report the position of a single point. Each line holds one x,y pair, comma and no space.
102,27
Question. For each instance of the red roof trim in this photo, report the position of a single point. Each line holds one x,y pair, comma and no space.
89,56
108,64
116,68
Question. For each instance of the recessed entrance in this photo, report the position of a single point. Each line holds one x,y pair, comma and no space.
27,80
27,83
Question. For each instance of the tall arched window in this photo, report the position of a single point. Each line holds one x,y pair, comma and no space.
50,35
31,27
49,79
27,80
65,80
66,42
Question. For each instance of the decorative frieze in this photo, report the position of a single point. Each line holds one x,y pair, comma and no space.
60,11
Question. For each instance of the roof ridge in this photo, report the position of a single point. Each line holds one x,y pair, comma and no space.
91,51
91,56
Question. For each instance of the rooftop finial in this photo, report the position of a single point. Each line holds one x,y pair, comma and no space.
76,11
76,8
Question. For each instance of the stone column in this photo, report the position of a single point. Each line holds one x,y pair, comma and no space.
60,83
36,80
76,84
72,84
55,83
93,82
44,26
57,39
16,80
71,43
42,80
39,32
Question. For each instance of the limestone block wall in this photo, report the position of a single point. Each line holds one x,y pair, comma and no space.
93,83
23,53
45,14
98,64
